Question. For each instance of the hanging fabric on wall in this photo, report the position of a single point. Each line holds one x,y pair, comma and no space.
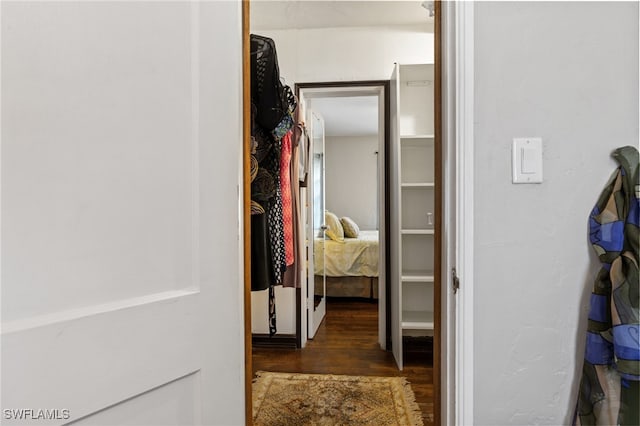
608,391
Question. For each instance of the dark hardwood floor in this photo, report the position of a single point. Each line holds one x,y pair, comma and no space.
347,343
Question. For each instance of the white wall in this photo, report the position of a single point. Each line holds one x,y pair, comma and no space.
336,54
348,53
120,209
351,171
76,150
567,72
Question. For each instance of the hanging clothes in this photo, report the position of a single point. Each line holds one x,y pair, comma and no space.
611,372
261,276
272,311
304,144
287,202
292,276
274,215
262,191
272,236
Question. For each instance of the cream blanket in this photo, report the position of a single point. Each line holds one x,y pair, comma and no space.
353,257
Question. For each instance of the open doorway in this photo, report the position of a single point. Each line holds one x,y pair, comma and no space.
350,184
305,51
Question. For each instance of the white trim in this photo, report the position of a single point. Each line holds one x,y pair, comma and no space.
457,313
66,316
447,328
464,57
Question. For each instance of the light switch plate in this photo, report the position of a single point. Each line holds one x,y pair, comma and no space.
527,160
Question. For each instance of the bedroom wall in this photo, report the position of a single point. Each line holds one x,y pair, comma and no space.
542,70
351,172
311,55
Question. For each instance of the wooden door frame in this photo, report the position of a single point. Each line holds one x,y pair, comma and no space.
246,208
438,204
438,294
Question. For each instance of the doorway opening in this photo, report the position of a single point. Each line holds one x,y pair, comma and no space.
433,376
352,183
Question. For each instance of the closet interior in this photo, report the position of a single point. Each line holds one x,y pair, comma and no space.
306,248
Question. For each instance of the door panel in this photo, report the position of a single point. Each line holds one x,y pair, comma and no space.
383,221
121,265
396,312
116,350
168,405
317,285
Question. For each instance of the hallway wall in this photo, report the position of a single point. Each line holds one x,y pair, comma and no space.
566,72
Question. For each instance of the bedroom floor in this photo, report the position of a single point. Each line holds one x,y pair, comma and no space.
347,343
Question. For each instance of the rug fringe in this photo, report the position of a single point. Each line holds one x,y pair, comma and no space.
415,413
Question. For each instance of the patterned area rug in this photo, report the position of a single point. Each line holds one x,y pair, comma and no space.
325,399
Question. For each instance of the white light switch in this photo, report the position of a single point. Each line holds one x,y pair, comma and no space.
527,160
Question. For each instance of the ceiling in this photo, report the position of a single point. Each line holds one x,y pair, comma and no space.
348,116
295,14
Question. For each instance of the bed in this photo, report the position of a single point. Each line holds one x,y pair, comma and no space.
351,266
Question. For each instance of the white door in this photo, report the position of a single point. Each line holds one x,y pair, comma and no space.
121,284
316,284
395,243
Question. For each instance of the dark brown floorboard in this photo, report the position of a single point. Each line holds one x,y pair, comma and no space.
347,343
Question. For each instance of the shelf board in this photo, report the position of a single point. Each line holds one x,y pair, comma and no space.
417,231
417,277
417,320
408,137
418,185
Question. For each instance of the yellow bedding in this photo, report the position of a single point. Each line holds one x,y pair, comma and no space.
353,257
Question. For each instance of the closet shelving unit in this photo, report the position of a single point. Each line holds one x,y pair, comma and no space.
413,202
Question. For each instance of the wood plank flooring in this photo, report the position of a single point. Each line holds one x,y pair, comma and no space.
347,343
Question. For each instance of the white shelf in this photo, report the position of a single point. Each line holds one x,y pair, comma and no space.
417,277
418,185
417,320
409,137
417,231
413,194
